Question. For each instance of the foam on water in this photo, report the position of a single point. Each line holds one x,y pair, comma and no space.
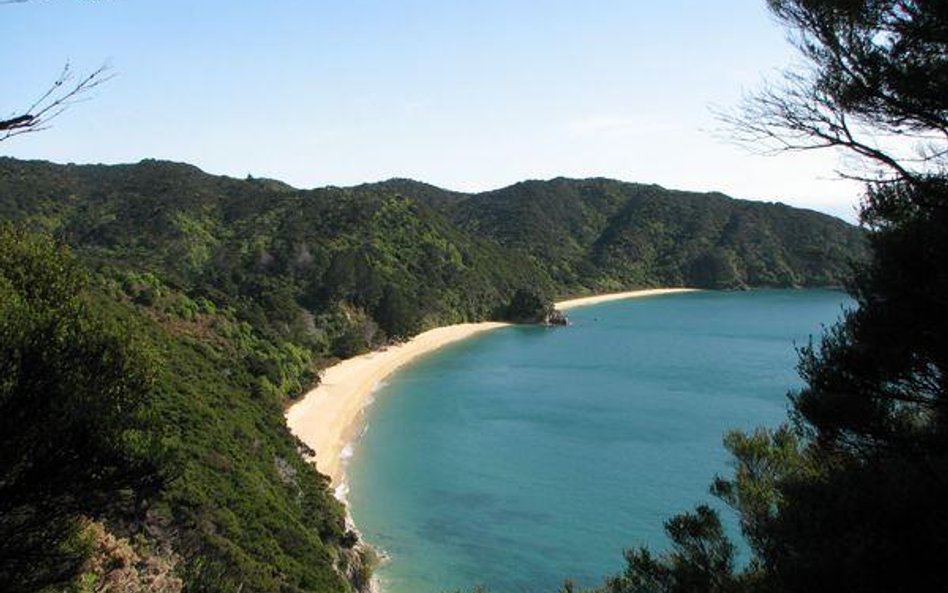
341,492
347,452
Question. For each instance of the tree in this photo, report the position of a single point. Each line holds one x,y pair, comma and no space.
528,306
850,497
702,559
395,313
72,387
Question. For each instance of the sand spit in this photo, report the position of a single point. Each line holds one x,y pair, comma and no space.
616,296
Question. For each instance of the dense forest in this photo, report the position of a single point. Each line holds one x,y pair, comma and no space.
109,413
219,299
598,235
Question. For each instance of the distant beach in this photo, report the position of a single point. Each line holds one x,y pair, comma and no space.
617,296
329,417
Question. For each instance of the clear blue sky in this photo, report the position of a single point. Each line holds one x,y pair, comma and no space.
462,94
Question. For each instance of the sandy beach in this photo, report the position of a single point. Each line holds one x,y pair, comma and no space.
329,417
617,296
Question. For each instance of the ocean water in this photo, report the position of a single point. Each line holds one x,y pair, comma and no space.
527,455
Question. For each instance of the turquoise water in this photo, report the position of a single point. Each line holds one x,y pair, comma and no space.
526,455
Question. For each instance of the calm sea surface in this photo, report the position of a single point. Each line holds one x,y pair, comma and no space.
527,455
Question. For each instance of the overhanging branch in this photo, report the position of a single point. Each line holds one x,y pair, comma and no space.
65,91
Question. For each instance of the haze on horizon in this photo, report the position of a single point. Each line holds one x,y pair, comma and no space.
466,96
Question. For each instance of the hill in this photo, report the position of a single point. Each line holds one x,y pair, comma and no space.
600,235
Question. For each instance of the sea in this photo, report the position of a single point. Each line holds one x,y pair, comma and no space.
525,456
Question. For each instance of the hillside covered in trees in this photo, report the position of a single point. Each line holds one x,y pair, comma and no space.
224,297
604,235
111,413
454,256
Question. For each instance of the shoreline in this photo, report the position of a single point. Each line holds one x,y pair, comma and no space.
329,417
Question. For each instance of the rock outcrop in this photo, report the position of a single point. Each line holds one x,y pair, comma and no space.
556,317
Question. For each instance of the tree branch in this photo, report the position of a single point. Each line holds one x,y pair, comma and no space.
801,117
64,91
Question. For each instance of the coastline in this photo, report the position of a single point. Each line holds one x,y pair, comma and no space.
329,417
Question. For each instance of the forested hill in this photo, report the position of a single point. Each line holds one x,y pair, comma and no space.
603,234
586,235
333,271
337,270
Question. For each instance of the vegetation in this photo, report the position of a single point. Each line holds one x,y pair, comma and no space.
106,414
73,387
526,306
598,235
382,261
332,272
850,497
157,351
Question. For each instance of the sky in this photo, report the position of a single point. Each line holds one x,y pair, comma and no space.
465,95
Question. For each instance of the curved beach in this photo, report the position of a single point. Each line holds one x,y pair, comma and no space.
329,417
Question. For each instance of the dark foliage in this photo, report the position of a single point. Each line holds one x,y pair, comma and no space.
851,498
875,407
526,306
106,414
702,559
74,386
601,235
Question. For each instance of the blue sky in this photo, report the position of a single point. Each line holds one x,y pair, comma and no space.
462,94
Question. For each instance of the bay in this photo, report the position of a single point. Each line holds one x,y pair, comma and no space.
527,455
